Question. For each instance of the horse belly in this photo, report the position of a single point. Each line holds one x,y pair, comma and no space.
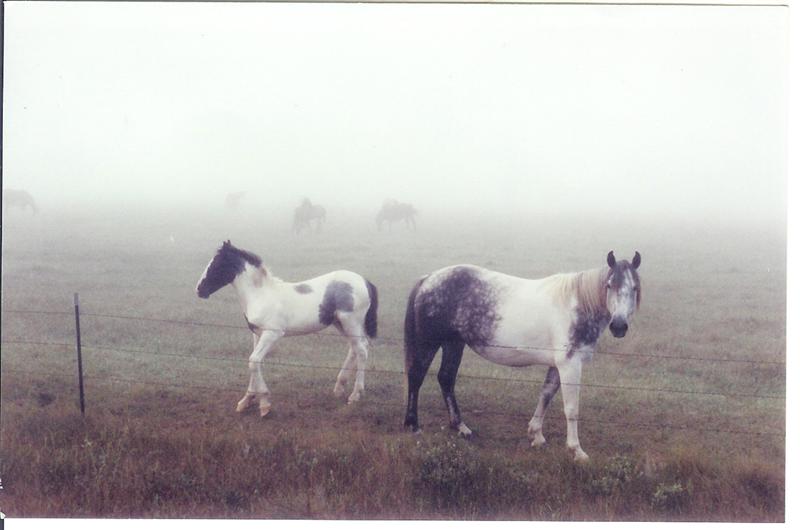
508,356
523,338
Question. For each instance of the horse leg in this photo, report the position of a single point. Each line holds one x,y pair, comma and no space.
351,328
257,386
452,352
422,359
570,375
248,398
549,390
345,373
359,345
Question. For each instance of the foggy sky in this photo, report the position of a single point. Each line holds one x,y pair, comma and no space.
659,110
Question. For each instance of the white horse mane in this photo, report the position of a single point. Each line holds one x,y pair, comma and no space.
589,287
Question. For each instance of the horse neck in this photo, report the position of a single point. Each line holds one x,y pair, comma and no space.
251,283
590,289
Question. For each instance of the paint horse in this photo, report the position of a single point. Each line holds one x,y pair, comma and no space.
274,308
512,321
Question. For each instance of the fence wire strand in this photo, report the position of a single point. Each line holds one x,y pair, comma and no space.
491,412
387,341
401,372
396,340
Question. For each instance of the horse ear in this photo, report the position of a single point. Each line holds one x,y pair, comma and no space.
637,260
227,243
611,260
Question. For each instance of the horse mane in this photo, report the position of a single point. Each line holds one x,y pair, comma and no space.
250,257
588,287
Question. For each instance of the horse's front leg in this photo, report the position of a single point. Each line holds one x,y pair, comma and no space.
551,385
257,388
570,375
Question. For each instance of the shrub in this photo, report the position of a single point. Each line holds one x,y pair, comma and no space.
671,497
616,472
449,472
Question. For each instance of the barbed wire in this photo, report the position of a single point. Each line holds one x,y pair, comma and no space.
238,389
372,400
402,372
37,343
399,340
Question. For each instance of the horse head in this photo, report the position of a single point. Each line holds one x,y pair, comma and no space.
226,264
623,292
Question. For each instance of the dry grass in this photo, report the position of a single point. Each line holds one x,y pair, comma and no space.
156,446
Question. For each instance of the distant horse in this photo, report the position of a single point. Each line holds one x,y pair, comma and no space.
274,308
233,200
305,214
19,199
393,210
513,321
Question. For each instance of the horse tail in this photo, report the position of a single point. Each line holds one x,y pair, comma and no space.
410,338
371,318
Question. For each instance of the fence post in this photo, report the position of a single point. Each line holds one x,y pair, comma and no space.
78,343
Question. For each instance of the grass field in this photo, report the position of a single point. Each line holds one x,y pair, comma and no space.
161,439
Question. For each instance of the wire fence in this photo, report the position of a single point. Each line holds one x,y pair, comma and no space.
390,341
482,411
373,370
398,340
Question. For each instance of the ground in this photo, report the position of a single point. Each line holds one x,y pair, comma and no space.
683,418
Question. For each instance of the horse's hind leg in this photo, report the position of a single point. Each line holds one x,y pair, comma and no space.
415,372
551,385
355,333
452,352
360,348
345,374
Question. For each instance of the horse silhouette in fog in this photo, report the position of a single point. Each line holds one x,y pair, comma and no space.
19,199
393,210
233,200
307,213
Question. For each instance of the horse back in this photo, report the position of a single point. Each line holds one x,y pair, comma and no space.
483,308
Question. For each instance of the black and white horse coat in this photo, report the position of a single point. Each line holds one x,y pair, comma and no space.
274,308
555,321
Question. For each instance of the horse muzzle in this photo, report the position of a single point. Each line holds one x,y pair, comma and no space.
618,328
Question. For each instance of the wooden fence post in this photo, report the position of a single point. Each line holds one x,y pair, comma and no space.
78,343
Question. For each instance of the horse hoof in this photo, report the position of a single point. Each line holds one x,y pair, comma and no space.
264,410
353,398
338,390
243,404
464,431
538,441
580,456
